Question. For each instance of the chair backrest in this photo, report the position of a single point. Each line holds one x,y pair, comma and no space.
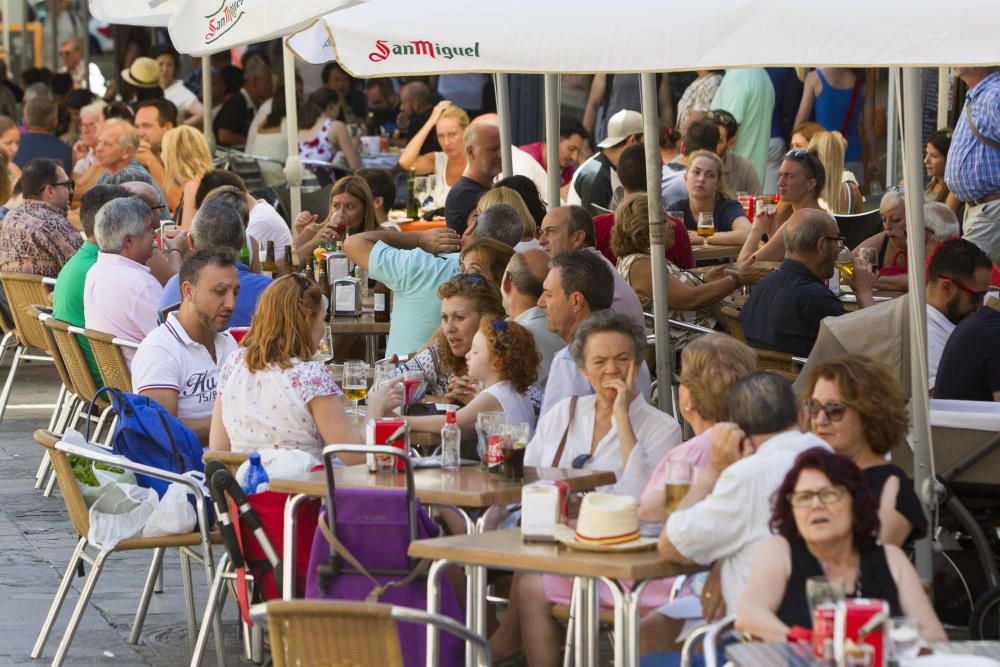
732,318
53,349
76,507
23,290
68,348
333,632
781,363
857,227
232,460
110,362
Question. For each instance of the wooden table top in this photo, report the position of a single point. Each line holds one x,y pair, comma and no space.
504,549
469,487
363,324
704,253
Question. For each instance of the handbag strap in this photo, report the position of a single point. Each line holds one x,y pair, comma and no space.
975,130
562,443
379,589
851,106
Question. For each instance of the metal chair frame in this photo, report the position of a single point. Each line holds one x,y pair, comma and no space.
25,331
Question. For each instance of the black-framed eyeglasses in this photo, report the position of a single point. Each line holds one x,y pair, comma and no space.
834,410
840,240
828,495
581,460
68,184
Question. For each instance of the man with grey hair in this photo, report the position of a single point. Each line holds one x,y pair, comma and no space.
40,117
120,294
85,168
784,310
520,289
500,222
482,150
725,514
218,226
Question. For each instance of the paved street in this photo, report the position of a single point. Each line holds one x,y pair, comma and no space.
36,541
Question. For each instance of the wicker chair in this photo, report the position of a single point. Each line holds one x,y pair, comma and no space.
341,633
732,317
782,363
84,384
110,361
79,517
24,290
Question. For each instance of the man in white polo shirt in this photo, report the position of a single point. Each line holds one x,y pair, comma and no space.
177,365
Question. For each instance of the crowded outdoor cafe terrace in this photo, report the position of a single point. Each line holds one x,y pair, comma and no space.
419,422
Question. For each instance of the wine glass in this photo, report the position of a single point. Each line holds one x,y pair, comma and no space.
706,225
421,189
677,482
823,590
355,383
429,202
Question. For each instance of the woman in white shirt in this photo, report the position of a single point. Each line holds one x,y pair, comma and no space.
189,109
271,394
447,165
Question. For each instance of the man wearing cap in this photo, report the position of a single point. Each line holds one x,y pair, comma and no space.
593,185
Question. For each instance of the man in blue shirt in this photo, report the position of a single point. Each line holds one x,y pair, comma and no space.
784,310
973,169
218,226
38,141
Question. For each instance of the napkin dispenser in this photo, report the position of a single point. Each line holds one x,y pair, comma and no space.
540,510
346,297
338,265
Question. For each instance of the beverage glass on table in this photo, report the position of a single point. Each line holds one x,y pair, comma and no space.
515,444
324,351
706,225
488,423
676,483
385,370
355,384
414,386
904,634
845,264
823,590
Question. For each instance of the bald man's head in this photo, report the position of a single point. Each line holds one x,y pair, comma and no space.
812,237
482,146
143,191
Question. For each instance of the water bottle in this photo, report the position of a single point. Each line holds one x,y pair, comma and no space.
256,479
451,437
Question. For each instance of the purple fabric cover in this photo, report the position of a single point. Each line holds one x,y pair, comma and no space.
373,525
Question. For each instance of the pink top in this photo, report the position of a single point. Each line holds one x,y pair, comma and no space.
537,151
697,451
121,297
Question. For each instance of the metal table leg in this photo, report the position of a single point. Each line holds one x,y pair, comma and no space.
434,607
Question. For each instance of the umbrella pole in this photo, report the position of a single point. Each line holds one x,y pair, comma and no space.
53,19
552,138
293,166
85,8
923,450
891,130
206,99
943,95
654,168
503,112
6,29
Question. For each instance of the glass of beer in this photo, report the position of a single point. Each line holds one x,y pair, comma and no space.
677,482
845,264
355,384
706,225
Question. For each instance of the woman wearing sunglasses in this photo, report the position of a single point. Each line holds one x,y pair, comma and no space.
800,182
890,245
858,407
825,523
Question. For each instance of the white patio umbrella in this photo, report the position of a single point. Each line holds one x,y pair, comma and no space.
386,37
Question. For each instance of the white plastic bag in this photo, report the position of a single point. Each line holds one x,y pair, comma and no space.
120,513
105,480
174,515
280,463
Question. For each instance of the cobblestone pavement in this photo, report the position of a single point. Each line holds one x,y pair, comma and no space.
36,541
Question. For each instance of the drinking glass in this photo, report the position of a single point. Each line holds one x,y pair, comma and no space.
845,264
823,590
869,255
421,188
414,386
904,634
429,202
324,351
355,383
385,370
677,482
488,423
706,225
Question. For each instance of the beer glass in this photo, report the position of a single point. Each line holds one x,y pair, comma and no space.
706,225
676,483
355,384
845,264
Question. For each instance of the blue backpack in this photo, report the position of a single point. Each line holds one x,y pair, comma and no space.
146,433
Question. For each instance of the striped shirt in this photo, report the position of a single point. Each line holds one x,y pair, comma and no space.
973,168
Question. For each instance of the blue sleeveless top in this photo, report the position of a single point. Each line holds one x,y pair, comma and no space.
831,110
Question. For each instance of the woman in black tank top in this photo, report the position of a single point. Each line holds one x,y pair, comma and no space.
826,524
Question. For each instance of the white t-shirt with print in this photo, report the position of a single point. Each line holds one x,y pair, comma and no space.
169,359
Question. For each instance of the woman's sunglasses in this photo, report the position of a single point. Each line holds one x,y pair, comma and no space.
834,409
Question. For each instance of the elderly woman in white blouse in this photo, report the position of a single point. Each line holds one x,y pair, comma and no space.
614,429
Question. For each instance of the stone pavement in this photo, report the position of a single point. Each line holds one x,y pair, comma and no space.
36,542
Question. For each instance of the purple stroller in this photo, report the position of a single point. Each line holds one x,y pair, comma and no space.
370,531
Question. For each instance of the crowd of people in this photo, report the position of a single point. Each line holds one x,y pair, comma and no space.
537,308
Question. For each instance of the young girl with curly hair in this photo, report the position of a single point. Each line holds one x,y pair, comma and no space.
504,360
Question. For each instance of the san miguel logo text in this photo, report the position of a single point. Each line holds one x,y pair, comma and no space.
223,19
419,47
